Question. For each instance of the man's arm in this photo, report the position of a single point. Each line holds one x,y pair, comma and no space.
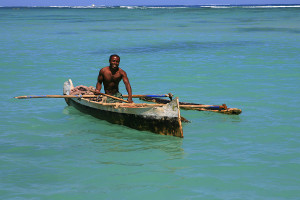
128,86
99,82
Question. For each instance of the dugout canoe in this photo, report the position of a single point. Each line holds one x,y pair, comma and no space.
156,118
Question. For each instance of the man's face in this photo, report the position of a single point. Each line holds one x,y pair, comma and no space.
114,62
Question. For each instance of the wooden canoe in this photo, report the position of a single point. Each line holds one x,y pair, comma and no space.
157,118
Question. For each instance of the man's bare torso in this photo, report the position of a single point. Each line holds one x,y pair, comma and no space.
111,80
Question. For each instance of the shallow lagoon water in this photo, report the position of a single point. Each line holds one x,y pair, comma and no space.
245,57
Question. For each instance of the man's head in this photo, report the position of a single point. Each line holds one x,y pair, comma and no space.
114,61
114,55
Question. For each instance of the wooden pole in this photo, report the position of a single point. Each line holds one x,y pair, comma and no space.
87,96
68,96
95,96
55,96
214,107
113,97
147,95
179,118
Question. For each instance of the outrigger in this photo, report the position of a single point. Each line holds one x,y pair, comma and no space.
162,116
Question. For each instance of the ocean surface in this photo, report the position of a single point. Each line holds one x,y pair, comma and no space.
247,57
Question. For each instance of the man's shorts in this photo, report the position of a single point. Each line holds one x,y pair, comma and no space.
111,100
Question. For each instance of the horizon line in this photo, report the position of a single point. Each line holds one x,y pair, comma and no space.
191,5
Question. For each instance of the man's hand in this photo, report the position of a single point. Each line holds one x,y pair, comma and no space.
97,92
130,100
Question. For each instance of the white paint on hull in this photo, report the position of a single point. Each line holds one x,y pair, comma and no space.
170,110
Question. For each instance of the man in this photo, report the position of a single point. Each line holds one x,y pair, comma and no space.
111,76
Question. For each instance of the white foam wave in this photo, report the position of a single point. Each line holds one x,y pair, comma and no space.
279,6
173,7
59,6
153,7
91,6
198,6
176,7
251,6
216,6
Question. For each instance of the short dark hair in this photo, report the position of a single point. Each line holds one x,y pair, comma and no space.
113,56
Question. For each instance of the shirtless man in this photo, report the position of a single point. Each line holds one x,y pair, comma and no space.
111,76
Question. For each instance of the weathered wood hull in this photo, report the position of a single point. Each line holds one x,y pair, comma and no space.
164,120
164,125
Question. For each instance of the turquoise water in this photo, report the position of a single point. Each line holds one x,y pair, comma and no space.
246,57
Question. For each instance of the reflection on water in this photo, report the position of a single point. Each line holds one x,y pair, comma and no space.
117,138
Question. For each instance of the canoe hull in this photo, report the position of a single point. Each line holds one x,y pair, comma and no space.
164,120
163,126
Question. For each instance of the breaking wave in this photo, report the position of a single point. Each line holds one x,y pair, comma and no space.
174,7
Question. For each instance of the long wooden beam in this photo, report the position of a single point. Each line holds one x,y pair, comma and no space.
200,107
87,96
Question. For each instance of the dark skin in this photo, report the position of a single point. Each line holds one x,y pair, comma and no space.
111,76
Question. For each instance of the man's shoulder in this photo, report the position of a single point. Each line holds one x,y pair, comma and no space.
104,69
122,71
